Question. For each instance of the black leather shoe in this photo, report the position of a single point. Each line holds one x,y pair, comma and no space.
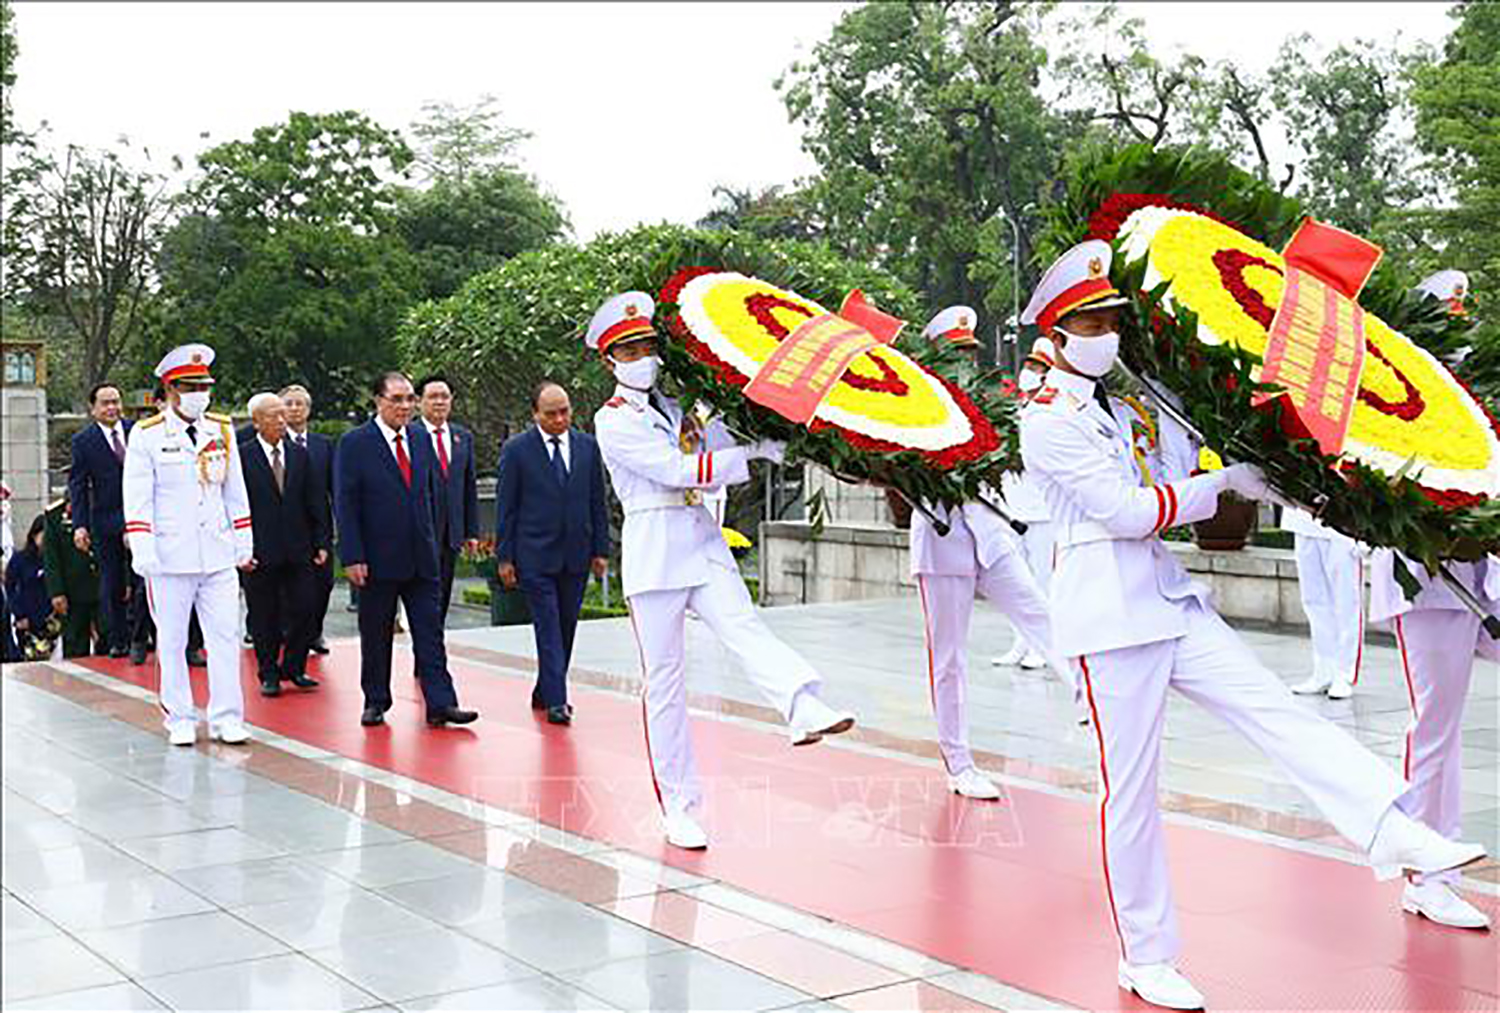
302,681
319,646
537,704
197,659
247,641
137,654
451,716
560,715
372,717
270,687
118,652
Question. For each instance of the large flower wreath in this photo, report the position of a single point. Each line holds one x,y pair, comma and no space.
900,417
1196,241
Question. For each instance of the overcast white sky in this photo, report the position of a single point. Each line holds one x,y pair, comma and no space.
638,109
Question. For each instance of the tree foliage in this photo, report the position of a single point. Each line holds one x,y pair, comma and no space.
774,212
9,50
523,322
927,126
80,232
455,142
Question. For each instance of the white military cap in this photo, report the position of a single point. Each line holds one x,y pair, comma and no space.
1043,351
1077,280
1449,284
955,325
623,317
186,362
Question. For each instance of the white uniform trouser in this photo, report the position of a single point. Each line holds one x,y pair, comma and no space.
1331,577
216,595
1437,657
1127,692
725,607
947,604
1037,547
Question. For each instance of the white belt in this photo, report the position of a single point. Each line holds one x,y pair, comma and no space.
1083,532
645,501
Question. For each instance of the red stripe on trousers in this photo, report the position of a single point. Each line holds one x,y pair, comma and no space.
1088,684
1359,599
1411,695
645,712
931,659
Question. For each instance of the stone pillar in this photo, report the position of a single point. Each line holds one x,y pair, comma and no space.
23,431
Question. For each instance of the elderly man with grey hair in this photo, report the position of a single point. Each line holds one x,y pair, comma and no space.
287,497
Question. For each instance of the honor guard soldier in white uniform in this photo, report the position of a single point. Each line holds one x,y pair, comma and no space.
979,554
1024,503
674,558
187,518
1331,579
1438,637
1125,608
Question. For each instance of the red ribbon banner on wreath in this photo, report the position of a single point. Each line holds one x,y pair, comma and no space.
1316,349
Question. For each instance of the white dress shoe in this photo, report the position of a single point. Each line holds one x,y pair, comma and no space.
812,719
1160,985
1341,688
1012,656
970,783
1403,844
683,831
1440,903
231,731
1316,683
183,733
1032,661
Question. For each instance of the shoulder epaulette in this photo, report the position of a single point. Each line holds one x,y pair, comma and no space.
216,417
154,420
1045,395
615,402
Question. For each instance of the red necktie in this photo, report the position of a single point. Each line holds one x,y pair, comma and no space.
402,461
442,452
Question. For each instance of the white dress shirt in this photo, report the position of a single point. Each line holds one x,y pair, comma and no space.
563,446
390,439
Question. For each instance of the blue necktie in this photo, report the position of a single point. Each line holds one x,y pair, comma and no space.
559,466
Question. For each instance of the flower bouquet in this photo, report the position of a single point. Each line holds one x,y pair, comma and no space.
776,364
1289,350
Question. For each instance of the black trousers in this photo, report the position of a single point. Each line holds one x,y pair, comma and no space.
114,579
377,622
279,604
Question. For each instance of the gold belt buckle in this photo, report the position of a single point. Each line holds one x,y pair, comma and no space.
692,497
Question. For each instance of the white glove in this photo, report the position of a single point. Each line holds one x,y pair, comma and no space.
143,564
1250,482
768,450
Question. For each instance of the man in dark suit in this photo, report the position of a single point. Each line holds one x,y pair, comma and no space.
552,528
458,488
286,516
385,489
319,449
94,490
72,582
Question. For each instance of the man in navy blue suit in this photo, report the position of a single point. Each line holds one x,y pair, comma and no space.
552,528
94,489
319,448
458,488
385,490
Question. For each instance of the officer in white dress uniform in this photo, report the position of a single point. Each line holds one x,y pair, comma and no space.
1438,637
1138,625
1331,578
1024,503
187,518
674,558
979,554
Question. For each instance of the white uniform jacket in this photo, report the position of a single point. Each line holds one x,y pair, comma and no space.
1116,585
976,538
668,542
1023,500
186,510
1388,600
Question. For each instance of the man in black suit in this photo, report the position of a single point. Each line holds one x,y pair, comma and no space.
94,489
298,403
458,488
552,528
385,478
286,516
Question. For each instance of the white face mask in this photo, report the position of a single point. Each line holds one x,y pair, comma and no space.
194,404
640,374
1093,357
1030,380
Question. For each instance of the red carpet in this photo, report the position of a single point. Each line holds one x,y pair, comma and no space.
1012,890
